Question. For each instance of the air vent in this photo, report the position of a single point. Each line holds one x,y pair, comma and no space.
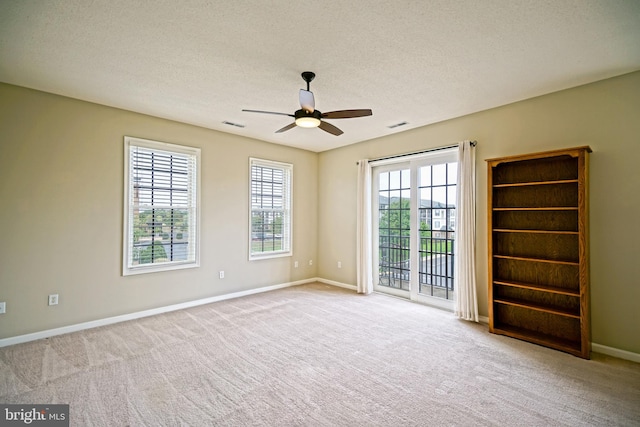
233,124
397,125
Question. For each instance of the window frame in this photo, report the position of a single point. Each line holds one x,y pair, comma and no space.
193,261
287,232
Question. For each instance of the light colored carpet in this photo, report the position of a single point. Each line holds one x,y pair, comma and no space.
315,355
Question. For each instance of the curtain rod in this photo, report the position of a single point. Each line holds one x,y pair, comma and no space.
473,144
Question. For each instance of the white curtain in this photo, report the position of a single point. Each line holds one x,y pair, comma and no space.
363,247
466,305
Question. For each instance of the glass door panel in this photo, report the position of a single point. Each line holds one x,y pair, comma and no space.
436,212
394,228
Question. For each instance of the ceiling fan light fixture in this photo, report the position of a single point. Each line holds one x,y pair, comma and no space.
308,122
307,119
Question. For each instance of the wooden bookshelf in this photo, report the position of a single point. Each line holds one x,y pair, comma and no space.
538,249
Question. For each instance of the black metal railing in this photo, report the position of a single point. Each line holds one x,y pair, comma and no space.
395,268
436,263
437,259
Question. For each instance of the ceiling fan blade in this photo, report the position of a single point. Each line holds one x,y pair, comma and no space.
307,102
328,127
346,114
268,112
286,128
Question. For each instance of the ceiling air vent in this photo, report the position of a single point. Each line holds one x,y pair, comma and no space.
397,125
233,124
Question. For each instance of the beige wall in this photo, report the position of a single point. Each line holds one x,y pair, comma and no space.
61,192
604,115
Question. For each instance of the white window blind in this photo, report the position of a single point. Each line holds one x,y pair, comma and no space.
161,206
270,209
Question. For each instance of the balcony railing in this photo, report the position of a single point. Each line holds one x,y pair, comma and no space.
435,269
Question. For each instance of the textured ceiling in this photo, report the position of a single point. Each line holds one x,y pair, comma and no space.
420,62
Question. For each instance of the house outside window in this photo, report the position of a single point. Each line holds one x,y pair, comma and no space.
270,215
161,206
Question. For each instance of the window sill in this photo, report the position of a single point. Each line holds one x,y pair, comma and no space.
257,257
131,271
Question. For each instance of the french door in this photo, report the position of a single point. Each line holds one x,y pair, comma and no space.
414,205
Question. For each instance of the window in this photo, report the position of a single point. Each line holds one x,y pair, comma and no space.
270,209
161,208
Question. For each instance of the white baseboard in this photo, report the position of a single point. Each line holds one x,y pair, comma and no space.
598,348
140,314
338,284
615,352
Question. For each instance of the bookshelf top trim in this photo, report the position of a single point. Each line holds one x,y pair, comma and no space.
574,152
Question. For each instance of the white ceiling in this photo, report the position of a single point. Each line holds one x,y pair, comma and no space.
420,62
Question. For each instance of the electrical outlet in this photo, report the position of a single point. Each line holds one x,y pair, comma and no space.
222,274
310,262
53,299
3,307
295,264
339,264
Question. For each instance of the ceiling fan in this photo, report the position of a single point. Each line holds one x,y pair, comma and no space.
308,117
